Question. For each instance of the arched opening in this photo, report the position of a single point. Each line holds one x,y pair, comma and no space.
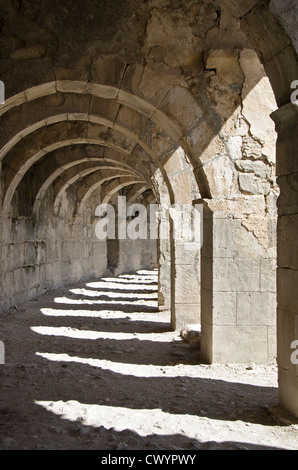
182,114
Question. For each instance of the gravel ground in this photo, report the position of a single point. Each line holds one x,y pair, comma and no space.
95,366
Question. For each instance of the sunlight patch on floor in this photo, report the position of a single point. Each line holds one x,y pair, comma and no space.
136,370
115,283
195,371
139,303
146,422
115,295
103,314
93,335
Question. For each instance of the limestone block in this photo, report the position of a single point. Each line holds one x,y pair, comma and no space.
54,250
206,341
239,7
169,37
30,274
258,102
171,128
260,169
42,275
133,101
8,257
182,185
180,105
288,385
268,275
287,242
242,344
224,308
273,39
188,253
287,147
249,184
29,253
187,287
237,207
54,272
234,147
288,199
164,285
272,343
226,63
21,230
207,143
224,242
240,275
185,314
33,52
222,176
256,308
99,248
287,288
251,148
73,269
206,274
72,86
69,248
40,91
174,164
20,280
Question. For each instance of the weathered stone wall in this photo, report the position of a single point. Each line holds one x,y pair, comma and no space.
184,108
164,96
238,281
43,256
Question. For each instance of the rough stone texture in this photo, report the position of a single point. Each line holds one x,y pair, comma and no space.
183,122
286,124
166,102
192,334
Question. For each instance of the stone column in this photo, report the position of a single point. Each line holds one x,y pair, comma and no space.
185,258
286,121
238,282
164,267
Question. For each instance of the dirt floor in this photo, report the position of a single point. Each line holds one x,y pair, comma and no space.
96,367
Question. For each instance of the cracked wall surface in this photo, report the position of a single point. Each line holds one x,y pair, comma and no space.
164,102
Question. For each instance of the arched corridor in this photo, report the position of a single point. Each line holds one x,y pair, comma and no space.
156,137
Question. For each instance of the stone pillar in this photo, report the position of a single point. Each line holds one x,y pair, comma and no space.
164,268
238,282
185,258
286,121
134,249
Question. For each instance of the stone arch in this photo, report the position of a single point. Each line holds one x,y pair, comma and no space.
170,128
87,172
265,25
51,123
60,170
